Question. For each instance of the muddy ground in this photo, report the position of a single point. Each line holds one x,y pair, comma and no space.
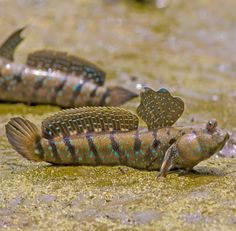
186,46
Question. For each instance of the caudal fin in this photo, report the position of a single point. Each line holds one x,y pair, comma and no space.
120,95
7,49
24,137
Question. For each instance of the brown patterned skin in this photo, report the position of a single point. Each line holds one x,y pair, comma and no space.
20,83
163,149
138,149
54,77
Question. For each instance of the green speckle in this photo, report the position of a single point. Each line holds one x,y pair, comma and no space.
116,154
59,93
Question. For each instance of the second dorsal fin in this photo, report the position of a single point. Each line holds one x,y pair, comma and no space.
89,119
159,109
70,64
7,49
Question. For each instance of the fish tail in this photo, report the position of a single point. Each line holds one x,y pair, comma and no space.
25,138
120,95
7,49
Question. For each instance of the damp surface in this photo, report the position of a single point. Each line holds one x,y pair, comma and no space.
186,46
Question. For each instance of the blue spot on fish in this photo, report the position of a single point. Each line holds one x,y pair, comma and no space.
162,90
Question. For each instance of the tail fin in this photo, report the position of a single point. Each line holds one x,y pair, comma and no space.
120,95
23,136
7,49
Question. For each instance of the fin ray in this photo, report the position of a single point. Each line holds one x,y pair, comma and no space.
22,135
89,119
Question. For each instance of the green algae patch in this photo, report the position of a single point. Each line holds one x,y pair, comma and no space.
24,109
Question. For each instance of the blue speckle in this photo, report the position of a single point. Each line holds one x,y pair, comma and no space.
163,90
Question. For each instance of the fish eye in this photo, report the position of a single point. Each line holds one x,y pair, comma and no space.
211,125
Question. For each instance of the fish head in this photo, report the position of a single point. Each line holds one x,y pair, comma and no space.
201,143
213,138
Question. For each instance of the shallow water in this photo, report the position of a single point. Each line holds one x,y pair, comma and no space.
187,47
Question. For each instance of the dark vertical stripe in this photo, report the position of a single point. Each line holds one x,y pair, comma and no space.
155,142
58,89
137,142
54,150
93,149
60,86
18,76
71,149
39,82
93,92
39,148
77,91
103,99
116,147
150,157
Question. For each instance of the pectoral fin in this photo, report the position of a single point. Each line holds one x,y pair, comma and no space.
168,161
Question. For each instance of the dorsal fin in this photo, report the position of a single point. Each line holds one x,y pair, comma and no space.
89,119
70,64
8,47
159,109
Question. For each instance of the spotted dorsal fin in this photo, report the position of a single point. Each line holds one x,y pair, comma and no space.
8,47
70,64
159,109
89,119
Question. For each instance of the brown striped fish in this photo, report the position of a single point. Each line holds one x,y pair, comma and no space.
56,78
110,136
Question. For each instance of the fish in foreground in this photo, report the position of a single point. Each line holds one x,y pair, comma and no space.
110,136
52,77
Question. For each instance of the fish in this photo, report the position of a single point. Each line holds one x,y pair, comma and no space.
55,78
111,136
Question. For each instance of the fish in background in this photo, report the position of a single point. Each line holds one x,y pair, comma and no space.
56,78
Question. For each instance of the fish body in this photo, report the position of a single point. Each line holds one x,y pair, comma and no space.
56,78
72,140
141,149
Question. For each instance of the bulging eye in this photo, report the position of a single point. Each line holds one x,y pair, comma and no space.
211,125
